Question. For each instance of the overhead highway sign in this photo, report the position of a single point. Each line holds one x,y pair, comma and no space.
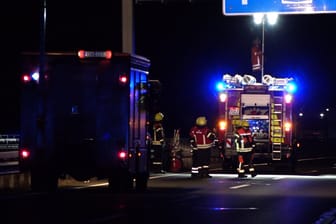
249,7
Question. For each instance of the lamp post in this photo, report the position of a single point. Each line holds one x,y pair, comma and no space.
260,18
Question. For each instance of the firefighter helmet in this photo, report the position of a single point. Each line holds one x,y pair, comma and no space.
158,116
245,124
237,123
201,121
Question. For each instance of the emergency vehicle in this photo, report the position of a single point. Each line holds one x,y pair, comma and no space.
87,119
267,107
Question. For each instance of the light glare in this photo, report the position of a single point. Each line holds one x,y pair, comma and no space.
35,76
258,18
272,18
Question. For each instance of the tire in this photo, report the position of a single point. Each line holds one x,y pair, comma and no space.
230,164
122,182
42,180
286,166
141,183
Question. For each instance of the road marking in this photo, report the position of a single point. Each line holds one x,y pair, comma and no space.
163,175
315,158
97,185
240,186
228,209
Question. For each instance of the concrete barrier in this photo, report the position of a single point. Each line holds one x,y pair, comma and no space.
15,181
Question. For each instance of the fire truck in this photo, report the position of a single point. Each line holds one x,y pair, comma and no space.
267,107
87,118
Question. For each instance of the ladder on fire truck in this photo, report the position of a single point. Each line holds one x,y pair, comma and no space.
276,127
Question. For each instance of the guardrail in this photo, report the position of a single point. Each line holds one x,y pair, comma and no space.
9,153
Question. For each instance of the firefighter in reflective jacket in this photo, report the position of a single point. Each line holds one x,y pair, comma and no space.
201,140
256,58
158,154
245,148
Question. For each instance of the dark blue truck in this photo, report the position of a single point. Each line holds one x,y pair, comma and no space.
87,119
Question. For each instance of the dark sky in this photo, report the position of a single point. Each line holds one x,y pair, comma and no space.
191,45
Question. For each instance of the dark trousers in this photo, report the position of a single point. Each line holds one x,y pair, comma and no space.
201,161
158,158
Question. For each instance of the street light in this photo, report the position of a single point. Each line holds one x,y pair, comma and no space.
260,18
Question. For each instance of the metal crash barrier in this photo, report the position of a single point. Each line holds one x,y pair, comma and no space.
10,176
9,153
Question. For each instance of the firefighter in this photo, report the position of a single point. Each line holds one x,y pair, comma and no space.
201,140
158,154
245,148
256,60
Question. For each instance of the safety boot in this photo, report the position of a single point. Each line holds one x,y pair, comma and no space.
195,175
208,176
241,175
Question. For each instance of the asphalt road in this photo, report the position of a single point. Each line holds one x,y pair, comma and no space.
274,196
176,198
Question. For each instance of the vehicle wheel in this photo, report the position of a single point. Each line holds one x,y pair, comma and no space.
120,183
42,180
36,181
292,164
114,184
141,182
230,164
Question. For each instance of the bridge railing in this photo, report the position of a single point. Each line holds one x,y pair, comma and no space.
9,153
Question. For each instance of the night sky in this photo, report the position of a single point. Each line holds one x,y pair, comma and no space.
191,45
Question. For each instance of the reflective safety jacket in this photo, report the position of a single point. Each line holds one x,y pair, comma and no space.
244,140
158,134
256,58
201,137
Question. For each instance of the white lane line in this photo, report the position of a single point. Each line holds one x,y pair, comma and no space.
240,186
163,175
228,208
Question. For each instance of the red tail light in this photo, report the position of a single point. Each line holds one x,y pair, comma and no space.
24,153
108,54
94,54
123,79
122,155
26,78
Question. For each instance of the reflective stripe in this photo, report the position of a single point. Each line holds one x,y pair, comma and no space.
156,142
194,170
204,146
244,149
256,67
209,134
245,134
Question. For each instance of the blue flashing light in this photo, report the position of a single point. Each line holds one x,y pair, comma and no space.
220,86
291,87
35,76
